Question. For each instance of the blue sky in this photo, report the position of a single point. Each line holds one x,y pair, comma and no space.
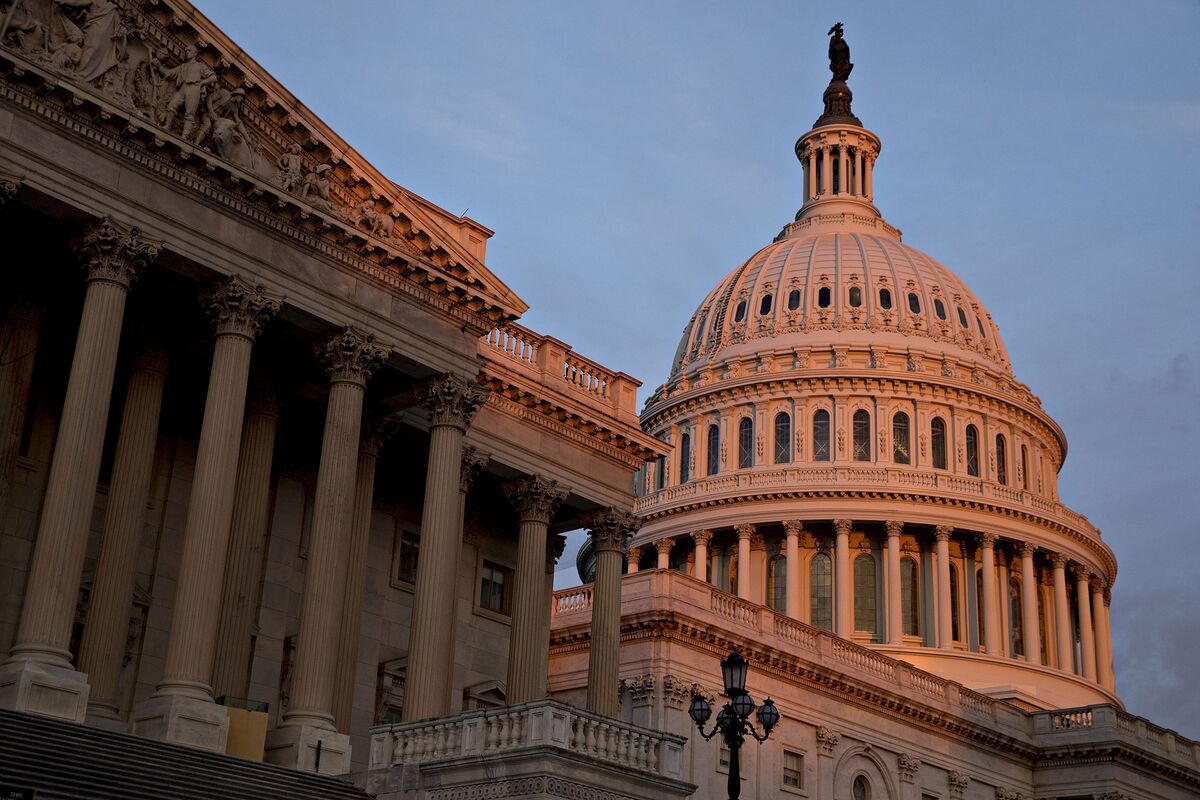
630,154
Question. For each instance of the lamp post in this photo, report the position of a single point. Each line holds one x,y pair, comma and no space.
734,719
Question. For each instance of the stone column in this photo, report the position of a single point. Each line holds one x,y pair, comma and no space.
1029,608
356,577
869,168
632,558
452,402
858,172
702,539
555,546
18,349
827,170
350,357
811,175
945,624
104,636
991,624
1103,643
1062,614
843,586
472,464
895,602
610,531
182,710
1087,635
744,533
247,542
792,530
664,552
1109,668
844,170
37,676
535,500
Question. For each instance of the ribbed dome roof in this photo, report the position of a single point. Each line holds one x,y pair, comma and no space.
838,280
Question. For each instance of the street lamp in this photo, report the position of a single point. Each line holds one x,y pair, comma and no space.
734,719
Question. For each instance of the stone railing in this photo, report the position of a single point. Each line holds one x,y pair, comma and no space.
541,725
578,598
1094,722
555,365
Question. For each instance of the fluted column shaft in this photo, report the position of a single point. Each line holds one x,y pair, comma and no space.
792,530
555,545
107,628
1029,614
1103,654
239,311
991,607
1062,615
744,534
945,632
701,539
1087,635
843,587
452,401
858,172
868,168
811,174
1107,670
243,563
115,256
356,576
18,348
610,530
535,499
664,552
827,171
895,602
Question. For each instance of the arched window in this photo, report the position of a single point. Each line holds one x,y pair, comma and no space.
900,446
732,575
954,618
914,303
824,297
700,327
821,435
777,583
820,597
764,305
982,333
979,604
1016,634
1001,460
685,458
740,313
885,299
714,449
855,296
939,309
962,317
746,443
660,467
864,594
910,597
972,451
1045,624
793,299
783,438
1024,468
861,789
862,435
937,441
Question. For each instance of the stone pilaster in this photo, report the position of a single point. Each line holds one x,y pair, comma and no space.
895,603
664,552
745,533
843,587
19,336
795,592
350,357
1031,628
182,710
1087,634
991,604
1062,614
107,627
535,500
945,625
38,675
827,743
907,766
701,540
247,542
610,531
452,402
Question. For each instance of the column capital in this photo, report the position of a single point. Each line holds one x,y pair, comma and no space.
703,537
664,545
1080,573
745,530
793,527
942,533
24,308
9,185
908,766
958,782
473,463
1058,560
893,527
535,498
610,529
988,540
634,554
1027,549
555,545
115,253
376,430
827,740
757,542
152,356
262,394
842,526
452,400
1098,583
239,308
351,356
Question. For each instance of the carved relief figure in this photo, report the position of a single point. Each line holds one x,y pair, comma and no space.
22,27
192,78
103,34
230,139
316,188
290,165
67,55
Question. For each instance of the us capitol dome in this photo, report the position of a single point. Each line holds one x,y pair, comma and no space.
852,449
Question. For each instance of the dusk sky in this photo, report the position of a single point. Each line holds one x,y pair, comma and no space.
629,154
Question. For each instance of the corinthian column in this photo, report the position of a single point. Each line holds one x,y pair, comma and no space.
452,402
942,550
182,709
895,602
1029,615
792,530
18,348
632,558
664,552
701,539
103,647
1062,614
1103,643
535,500
843,589
744,534
1107,670
610,530
38,677
247,540
350,357
555,546
991,625
1087,636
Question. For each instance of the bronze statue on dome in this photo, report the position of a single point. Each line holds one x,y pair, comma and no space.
839,54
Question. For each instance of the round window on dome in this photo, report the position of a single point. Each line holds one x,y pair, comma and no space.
914,303
793,299
740,314
939,309
764,305
824,297
962,317
885,299
855,296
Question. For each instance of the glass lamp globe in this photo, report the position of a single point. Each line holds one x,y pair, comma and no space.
733,672
725,717
768,714
743,705
700,710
